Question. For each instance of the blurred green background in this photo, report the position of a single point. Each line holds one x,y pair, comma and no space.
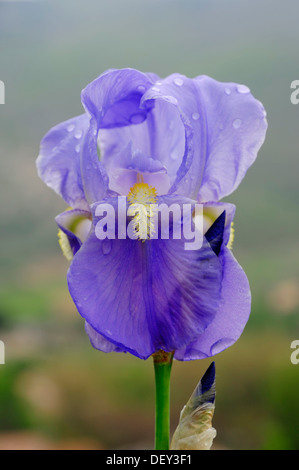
55,390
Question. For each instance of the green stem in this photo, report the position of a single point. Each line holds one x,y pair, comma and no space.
162,365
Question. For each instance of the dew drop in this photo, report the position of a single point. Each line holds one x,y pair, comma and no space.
227,91
178,82
171,99
70,128
77,148
173,155
78,134
155,88
243,89
237,123
106,246
195,116
137,118
141,88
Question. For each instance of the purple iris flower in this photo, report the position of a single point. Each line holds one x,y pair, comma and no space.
191,140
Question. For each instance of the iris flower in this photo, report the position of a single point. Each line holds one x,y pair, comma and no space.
178,140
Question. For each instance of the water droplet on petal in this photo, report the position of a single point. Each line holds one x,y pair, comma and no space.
243,89
178,82
77,148
171,99
70,128
195,116
155,88
237,123
173,155
141,88
137,118
106,246
227,91
78,134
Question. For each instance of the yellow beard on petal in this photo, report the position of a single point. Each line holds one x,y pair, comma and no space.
142,193
65,245
231,237
141,198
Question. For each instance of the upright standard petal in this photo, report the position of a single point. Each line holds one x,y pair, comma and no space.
231,317
224,126
160,137
145,296
58,162
112,100
235,130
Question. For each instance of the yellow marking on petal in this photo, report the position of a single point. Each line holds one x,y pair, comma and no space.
141,197
65,245
231,237
142,193
76,222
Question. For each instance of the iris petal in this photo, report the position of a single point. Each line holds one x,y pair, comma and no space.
70,222
160,137
145,296
224,129
235,130
232,315
112,100
100,342
58,163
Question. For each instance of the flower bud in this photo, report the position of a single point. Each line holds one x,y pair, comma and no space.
195,431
